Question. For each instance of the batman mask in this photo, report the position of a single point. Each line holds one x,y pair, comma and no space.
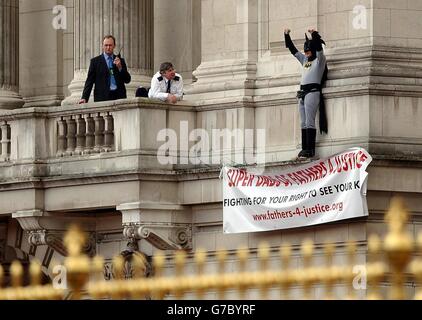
308,46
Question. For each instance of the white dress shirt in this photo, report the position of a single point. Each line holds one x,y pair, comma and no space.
159,86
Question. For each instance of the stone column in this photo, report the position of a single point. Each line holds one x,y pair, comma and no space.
9,53
130,21
228,68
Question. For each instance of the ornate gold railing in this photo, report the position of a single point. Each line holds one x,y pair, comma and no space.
390,266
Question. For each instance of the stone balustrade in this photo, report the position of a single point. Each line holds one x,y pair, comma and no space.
85,133
127,127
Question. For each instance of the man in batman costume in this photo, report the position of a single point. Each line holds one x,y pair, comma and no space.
314,64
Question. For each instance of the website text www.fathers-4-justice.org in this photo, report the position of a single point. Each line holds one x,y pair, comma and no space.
305,211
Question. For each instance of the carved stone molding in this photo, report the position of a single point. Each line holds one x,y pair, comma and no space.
154,223
45,238
161,236
41,233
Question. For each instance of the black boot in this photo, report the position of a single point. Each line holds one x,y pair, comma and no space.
303,153
311,137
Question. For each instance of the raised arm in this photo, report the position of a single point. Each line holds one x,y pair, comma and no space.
290,45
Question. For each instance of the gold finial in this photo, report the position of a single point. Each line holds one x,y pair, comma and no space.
264,256
77,264
419,241
307,250
16,271
119,275
97,288
180,262
374,268
36,273
286,255
158,262
119,267
221,285
74,241
242,255
98,267
398,246
351,249
1,276
139,264
416,268
397,215
200,259
329,275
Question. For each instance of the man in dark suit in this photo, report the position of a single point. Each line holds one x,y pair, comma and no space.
108,73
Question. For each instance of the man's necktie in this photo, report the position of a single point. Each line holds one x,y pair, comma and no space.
169,86
113,84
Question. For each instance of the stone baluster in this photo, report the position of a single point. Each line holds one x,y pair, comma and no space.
108,132
61,137
5,141
71,136
80,135
90,134
99,133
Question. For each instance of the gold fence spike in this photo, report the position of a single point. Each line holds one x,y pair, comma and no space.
35,273
98,267
398,246
306,279
221,285
374,268
242,255
1,276
416,268
16,272
200,260
76,264
329,275
286,256
264,256
180,263
139,265
351,249
419,241
74,240
118,267
96,287
158,262
119,275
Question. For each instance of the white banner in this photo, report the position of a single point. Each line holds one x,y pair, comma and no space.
324,191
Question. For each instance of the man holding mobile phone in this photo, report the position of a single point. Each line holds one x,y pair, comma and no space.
108,73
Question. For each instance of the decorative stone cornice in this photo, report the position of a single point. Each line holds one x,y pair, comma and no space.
139,223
